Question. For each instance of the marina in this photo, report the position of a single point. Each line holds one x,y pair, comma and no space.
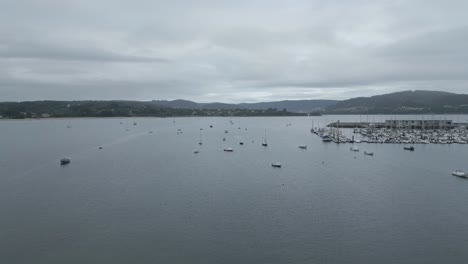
395,132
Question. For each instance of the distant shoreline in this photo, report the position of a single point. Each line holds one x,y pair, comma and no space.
298,115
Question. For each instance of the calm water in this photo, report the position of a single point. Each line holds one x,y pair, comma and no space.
147,198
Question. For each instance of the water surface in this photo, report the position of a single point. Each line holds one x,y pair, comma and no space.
147,198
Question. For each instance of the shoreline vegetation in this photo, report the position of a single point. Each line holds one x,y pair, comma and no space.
399,103
69,109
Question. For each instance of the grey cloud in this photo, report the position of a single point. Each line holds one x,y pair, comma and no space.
230,50
48,51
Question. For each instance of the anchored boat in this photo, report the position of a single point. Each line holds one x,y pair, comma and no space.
276,165
65,161
459,173
354,148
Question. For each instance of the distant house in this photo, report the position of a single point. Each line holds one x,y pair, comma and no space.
45,115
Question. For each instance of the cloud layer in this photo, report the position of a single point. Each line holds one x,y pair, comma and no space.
230,51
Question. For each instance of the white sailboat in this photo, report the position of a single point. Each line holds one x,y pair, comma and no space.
264,141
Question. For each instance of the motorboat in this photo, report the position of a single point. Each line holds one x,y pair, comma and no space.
354,148
459,173
368,153
65,161
276,165
409,148
228,150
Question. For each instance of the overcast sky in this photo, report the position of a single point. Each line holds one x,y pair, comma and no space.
230,51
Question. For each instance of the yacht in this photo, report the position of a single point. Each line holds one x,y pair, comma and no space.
459,173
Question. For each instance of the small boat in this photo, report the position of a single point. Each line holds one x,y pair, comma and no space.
151,132
276,165
303,146
459,173
409,148
225,131
134,123
196,151
65,161
368,153
354,148
211,126
228,150
224,139
241,143
100,147
264,140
